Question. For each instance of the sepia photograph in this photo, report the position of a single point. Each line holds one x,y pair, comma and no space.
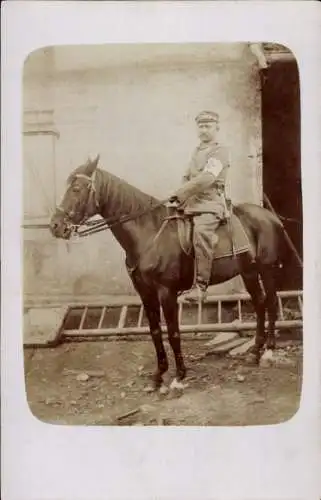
162,234
160,251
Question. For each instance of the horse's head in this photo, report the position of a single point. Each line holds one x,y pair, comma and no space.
79,201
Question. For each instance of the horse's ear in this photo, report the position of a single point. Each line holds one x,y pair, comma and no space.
92,165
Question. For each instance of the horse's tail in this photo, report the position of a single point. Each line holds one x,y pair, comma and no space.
282,253
289,257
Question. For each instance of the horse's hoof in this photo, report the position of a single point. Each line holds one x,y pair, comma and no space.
252,359
163,389
267,358
177,385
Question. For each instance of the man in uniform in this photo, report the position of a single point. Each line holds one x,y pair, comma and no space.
203,195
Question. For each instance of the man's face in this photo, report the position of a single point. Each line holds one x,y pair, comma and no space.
207,131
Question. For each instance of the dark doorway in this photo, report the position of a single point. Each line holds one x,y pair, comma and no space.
282,156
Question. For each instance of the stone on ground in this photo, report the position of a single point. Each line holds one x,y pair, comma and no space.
149,388
82,377
42,326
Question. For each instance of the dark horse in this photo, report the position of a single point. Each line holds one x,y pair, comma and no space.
160,271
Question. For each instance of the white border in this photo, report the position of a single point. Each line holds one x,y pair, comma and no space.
43,461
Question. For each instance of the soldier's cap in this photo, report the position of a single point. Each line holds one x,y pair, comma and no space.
207,116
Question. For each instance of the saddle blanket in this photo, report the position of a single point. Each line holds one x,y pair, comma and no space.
232,238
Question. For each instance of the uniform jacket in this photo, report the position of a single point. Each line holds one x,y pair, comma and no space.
204,180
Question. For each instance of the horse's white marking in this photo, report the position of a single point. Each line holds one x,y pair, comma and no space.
268,354
163,389
267,358
175,384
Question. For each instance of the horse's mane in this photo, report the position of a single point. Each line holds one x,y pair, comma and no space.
121,196
129,197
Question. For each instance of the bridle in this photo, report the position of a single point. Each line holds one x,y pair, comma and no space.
96,226
92,197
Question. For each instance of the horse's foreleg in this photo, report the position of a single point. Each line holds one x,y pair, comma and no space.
168,300
251,281
152,310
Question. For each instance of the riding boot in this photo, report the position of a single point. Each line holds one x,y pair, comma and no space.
196,294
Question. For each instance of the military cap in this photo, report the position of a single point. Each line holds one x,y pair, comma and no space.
207,116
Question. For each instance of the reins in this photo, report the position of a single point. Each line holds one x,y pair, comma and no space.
98,226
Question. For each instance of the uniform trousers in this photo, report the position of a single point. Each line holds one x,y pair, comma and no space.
205,239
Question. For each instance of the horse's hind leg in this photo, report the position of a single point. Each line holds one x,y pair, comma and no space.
168,300
252,283
267,273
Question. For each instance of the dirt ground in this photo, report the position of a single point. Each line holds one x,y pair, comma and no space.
102,383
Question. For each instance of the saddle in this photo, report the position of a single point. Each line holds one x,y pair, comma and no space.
232,238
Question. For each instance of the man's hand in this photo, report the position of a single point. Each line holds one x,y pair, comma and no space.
173,202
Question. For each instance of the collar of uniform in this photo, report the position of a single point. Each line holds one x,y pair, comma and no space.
205,145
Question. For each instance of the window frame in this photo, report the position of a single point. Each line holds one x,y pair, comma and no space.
40,123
